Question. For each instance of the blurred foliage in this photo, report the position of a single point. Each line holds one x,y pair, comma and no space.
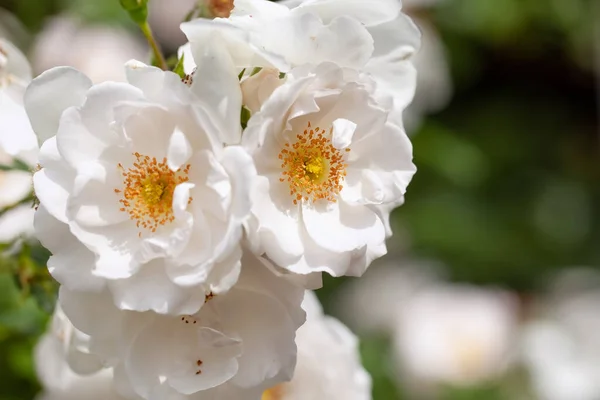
507,188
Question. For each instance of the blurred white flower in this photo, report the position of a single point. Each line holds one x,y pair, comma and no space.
99,51
16,136
434,84
456,334
374,303
329,365
561,347
326,158
165,16
17,143
59,346
238,345
139,174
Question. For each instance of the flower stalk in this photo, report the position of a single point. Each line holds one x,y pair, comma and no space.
138,12
158,56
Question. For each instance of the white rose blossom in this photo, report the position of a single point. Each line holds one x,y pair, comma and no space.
17,143
328,365
138,174
326,157
238,345
332,162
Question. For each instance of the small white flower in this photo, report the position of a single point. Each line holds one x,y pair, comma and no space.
374,303
56,354
99,51
327,158
139,173
328,365
239,344
561,347
455,334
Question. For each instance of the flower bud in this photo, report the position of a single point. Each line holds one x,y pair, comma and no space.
137,9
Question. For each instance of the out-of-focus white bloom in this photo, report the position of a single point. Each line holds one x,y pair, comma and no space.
139,173
17,142
98,51
434,85
165,16
326,156
374,303
561,348
455,334
56,349
328,365
16,137
238,345
12,29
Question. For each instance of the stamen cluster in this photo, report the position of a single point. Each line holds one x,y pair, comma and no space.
148,191
313,167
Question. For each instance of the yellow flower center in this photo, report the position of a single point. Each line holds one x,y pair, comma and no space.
312,166
275,393
147,194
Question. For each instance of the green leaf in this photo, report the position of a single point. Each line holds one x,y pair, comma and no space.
179,67
245,117
241,74
255,71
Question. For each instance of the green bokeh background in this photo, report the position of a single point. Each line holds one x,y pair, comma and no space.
508,187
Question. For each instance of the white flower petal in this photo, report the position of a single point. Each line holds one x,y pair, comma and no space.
343,130
54,182
219,89
14,186
278,228
71,262
16,222
273,346
179,150
368,13
50,94
151,290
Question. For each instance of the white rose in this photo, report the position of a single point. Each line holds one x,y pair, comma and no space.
139,173
328,159
239,344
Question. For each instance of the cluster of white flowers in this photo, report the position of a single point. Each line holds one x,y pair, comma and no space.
187,217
